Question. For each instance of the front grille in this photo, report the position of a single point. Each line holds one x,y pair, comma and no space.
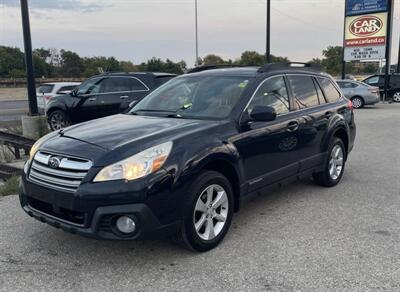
66,175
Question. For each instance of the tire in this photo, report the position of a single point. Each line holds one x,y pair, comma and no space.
58,119
334,166
358,102
396,96
213,223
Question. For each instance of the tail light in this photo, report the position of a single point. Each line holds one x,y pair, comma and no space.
47,98
350,105
373,90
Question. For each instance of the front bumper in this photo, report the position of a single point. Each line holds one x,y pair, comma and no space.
94,218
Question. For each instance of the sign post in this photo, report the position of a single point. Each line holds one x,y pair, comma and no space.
33,108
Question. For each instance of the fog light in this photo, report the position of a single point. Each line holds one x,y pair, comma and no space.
125,224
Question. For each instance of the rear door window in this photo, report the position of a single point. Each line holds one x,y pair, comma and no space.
321,96
116,84
330,91
161,80
304,91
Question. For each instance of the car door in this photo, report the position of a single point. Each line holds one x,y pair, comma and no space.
315,114
115,91
269,150
86,100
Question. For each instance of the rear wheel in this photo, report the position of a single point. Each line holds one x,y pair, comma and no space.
208,212
58,119
334,166
396,96
357,101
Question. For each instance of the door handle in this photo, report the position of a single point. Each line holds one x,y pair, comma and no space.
92,99
292,126
124,97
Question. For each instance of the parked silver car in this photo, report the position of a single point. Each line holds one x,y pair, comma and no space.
359,93
46,91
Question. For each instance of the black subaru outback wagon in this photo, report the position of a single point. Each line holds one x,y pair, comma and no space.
185,157
102,95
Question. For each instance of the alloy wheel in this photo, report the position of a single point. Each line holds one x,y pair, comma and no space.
57,121
357,102
336,162
396,97
211,212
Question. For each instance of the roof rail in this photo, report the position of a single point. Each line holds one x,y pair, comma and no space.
211,67
286,65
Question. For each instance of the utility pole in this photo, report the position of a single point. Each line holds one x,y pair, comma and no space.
197,34
398,58
388,44
268,32
344,43
33,109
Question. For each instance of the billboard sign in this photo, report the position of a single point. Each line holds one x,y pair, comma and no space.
366,30
365,37
355,7
364,53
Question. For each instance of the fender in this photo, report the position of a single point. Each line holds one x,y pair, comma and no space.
336,123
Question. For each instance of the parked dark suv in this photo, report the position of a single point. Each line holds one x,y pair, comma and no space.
394,84
187,155
101,96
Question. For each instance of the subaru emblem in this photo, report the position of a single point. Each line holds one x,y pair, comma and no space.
54,162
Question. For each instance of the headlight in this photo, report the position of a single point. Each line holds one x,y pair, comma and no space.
36,146
136,166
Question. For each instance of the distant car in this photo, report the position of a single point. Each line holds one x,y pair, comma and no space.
359,93
394,84
102,95
46,91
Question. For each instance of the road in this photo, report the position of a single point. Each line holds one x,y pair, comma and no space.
300,238
12,109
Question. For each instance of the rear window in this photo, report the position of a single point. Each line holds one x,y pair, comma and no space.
304,91
67,88
45,88
330,91
347,84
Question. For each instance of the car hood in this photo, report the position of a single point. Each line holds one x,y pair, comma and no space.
114,131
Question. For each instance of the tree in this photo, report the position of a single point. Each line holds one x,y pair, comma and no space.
213,60
11,59
71,64
333,56
252,58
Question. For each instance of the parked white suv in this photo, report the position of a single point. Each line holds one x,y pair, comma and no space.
46,91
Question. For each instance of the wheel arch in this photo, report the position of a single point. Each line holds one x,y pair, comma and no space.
227,169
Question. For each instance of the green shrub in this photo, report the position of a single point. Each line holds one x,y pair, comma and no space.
10,187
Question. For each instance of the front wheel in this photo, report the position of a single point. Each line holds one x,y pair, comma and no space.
334,166
208,212
396,96
58,119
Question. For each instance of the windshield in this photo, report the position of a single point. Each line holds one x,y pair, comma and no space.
194,97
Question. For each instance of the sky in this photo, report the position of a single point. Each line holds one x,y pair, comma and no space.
137,30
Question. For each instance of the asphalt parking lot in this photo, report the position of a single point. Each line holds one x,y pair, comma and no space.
299,238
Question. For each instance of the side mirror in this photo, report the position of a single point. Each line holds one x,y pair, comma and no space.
263,114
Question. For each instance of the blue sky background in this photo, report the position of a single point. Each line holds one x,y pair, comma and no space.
137,30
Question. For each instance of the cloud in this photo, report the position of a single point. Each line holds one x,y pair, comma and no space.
83,6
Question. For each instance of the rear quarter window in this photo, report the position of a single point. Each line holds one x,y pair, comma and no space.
330,91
